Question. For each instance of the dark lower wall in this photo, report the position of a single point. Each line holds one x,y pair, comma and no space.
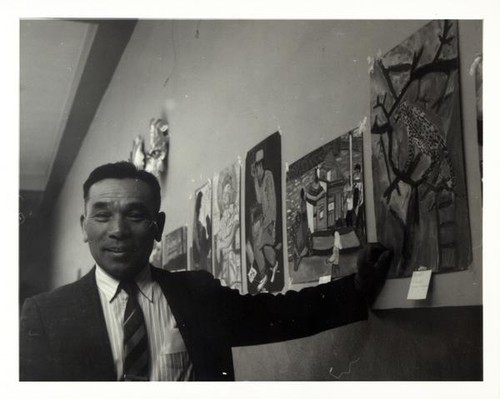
435,344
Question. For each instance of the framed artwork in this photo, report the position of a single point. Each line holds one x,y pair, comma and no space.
326,224
419,180
175,250
263,220
226,227
202,229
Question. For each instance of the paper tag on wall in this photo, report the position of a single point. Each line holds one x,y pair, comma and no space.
325,279
419,284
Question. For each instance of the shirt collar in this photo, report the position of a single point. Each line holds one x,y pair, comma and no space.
109,285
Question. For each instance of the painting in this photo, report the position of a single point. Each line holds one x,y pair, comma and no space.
202,229
226,227
263,220
326,210
477,71
175,250
419,180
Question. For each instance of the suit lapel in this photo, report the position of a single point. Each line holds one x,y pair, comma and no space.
179,306
98,355
164,279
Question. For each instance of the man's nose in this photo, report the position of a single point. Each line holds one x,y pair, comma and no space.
118,227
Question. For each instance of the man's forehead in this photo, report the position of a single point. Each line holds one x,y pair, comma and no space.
115,189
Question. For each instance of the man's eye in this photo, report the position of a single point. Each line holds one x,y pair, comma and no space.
101,216
136,216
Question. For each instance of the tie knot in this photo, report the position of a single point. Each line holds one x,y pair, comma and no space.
130,287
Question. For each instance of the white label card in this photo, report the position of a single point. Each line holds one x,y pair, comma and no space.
419,284
324,279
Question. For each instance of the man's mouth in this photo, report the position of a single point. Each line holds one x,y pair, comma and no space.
118,250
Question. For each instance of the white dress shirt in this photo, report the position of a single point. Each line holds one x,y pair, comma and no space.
169,360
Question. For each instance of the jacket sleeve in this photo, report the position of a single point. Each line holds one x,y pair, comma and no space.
35,359
265,318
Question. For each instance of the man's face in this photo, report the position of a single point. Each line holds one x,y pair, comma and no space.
120,224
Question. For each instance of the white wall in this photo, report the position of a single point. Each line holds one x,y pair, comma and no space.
229,88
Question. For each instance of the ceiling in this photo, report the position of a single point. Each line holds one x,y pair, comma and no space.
65,69
52,57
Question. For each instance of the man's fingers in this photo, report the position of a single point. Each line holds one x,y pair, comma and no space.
370,255
375,250
375,246
373,265
384,261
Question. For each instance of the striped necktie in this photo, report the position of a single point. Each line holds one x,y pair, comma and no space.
135,338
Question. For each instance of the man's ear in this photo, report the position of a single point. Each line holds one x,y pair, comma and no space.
84,228
159,226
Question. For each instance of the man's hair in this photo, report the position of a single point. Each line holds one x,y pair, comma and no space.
122,170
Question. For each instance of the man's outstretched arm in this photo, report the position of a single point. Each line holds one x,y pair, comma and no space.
265,318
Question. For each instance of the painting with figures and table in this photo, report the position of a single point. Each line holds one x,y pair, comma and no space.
326,210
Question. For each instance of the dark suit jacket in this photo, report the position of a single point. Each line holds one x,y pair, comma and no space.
63,333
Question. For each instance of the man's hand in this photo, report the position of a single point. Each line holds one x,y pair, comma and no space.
374,261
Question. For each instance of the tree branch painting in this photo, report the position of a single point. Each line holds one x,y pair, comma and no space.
417,152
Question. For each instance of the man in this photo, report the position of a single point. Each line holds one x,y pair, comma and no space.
314,193
127,320
358,200
349,206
